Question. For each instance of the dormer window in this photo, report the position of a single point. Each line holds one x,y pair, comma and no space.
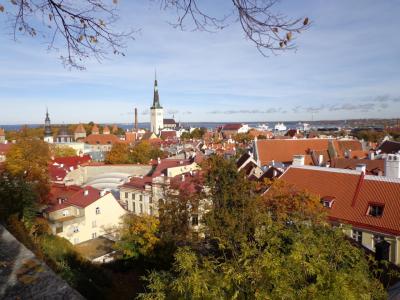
375,210
327,201
97,210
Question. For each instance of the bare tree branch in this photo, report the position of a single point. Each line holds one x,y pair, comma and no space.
85,27
268,30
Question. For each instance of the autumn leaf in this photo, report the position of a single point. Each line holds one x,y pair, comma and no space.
305,21
289,36
1,8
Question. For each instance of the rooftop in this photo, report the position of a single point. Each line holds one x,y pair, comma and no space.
353,193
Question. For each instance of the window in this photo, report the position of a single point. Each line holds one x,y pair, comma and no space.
97,210
327,201
94,235
126,194
133,207
151,210
133,196
59,229
140,197
357,236
375,210
150,199
195,220
65,213
141,208
75,229
94,225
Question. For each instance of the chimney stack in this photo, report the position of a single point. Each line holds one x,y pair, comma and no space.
361,168
392,166
136,120
298,160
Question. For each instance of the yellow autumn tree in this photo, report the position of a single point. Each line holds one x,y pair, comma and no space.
28,159
139,235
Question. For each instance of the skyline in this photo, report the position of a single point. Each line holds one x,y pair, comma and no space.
346,67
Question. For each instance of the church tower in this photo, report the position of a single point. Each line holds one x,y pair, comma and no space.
156,112
48,135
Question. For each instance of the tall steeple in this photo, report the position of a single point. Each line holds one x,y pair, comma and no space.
48,135
156,97
156,111
47,126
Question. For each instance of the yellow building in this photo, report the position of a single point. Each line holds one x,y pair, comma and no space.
81,214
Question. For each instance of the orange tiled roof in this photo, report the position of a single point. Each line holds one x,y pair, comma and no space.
101,139
80,129
282,150
341,146
2,133
353,194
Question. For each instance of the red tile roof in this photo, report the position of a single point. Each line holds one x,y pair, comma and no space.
101,139
166,135
341,146
159,170
283,150
353,194
59,167
73,195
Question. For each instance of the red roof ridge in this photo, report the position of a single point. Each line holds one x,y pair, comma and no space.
358,189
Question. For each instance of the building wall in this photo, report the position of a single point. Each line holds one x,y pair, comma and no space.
139,201
2,139
156,119
78,147
91,222
172,172
368,242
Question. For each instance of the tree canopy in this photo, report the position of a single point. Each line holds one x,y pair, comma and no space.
28,159
273,247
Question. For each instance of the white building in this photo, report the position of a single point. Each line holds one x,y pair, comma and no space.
156,112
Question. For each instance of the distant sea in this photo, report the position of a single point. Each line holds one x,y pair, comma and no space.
209,125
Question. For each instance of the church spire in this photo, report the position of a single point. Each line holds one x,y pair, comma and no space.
156,97
47,126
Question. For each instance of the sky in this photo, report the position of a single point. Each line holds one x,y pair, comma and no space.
347,65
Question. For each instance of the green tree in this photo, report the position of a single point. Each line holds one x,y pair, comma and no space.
272,247
139,235
16,197
29,159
